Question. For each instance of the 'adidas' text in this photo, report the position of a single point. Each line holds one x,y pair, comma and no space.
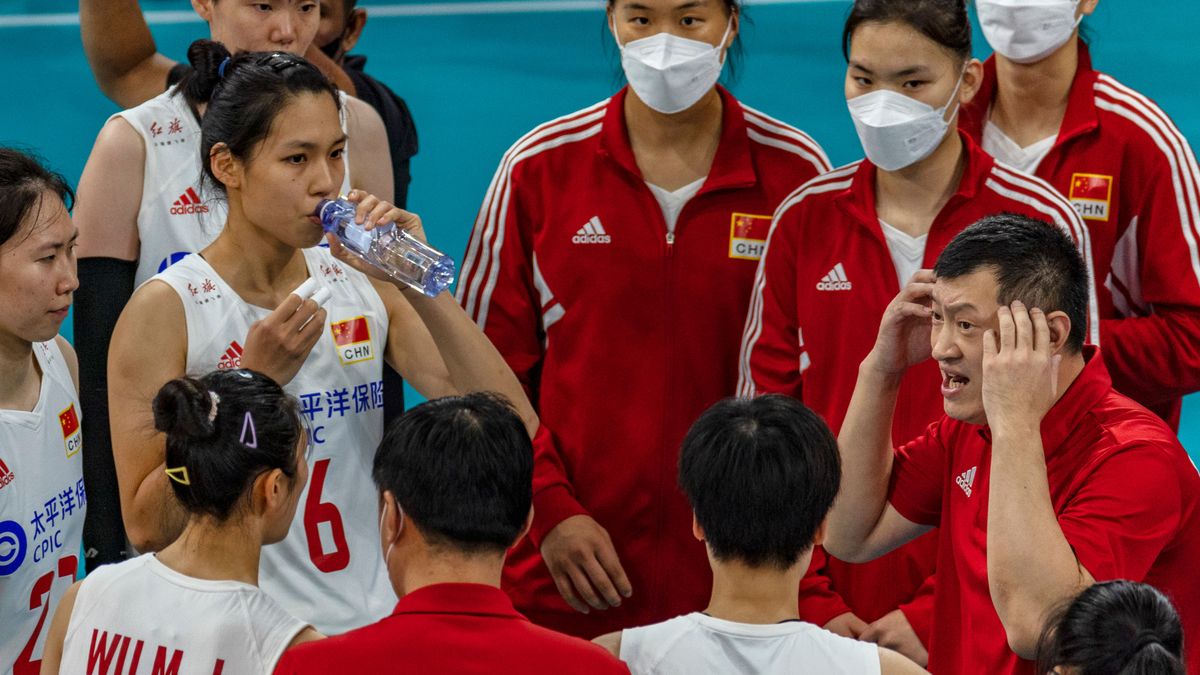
835,280
966,480
188,203
232,358
592,233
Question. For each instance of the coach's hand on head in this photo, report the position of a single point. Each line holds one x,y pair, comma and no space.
581,558
903,339
1020,367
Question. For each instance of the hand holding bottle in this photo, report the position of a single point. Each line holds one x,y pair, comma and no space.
384,242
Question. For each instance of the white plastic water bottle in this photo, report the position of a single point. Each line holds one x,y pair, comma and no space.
388,248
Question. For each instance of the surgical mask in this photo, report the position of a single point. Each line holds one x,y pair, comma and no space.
897,131
1027,31
670,73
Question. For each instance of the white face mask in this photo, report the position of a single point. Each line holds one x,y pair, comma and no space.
670,73
1027,31
897,131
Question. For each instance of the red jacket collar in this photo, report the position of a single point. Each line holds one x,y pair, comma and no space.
859,199
472,599
732,166
1092,385
1081,116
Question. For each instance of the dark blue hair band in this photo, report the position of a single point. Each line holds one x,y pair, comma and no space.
221,68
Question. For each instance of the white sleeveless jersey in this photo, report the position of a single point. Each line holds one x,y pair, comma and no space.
176,218
329,570
140,617
696,643
42,504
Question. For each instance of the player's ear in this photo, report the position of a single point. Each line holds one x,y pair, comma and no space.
697,531
1060,330
819,535
204,8
1087,7
227,169
354,28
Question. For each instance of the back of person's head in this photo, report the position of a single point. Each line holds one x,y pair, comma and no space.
761,475
244,94
224,430
1033,262
24,182
942,21
461,469
1114,628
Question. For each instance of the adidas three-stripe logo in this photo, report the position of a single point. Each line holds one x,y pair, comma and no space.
835,280
966,480
592,232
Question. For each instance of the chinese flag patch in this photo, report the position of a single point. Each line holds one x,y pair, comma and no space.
748,236
69,421
352,338
1091,195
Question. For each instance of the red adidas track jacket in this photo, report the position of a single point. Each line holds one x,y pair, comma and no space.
622,334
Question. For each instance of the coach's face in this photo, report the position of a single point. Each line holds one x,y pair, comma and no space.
963,308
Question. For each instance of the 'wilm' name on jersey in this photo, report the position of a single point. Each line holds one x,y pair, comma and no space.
116,654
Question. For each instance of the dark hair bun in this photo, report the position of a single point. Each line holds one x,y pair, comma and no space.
205,57
182,408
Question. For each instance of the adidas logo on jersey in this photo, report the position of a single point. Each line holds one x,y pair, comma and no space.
592,233
835,280
6,476
232,358
188,203
966,480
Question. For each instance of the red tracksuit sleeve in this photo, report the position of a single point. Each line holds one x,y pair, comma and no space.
819,603
772,352
497,289
919,611
1154,356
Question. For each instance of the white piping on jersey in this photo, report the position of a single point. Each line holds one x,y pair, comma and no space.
1123,280
789,147
490,223
551,311
1147,116
829,182
811,150
1065,217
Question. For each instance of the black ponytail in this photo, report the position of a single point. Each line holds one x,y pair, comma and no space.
943,21
244,92
223,430
1115,627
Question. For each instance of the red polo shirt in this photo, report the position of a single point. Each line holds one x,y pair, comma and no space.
1126,494
623,333
824,283
456,629
1133,177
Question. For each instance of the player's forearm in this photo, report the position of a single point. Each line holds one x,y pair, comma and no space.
117,42
1031,567
155,518
473,362
866,450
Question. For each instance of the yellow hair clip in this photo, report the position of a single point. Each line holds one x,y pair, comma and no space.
179,475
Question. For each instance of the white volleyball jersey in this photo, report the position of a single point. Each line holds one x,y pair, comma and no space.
176,216
42,504
696,643
329,570
140,617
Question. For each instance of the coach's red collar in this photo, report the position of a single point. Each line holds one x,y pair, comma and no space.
470,599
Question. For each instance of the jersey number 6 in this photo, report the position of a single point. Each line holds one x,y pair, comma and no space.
317,512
